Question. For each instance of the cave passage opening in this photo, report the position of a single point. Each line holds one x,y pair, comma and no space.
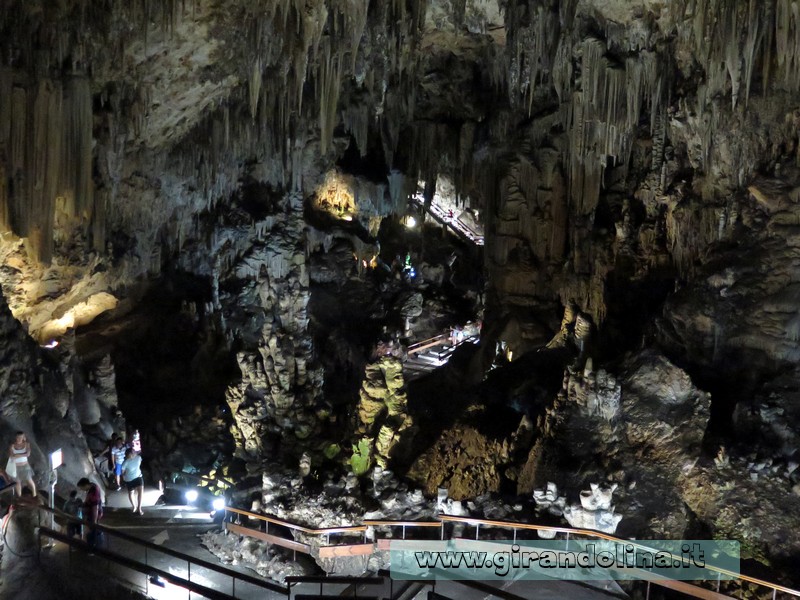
172,368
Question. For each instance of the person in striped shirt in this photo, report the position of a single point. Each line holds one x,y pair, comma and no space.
117,458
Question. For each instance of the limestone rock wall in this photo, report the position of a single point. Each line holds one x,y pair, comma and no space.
36,397
280,391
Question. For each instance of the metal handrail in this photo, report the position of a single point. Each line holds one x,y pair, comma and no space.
138,566
611,538
423,344
289,525
444,518
167,551
384,523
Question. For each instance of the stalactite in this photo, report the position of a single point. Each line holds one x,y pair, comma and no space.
255,86
356,14
562,69
752,42
77,165
6,107
399,188
356,119
34,217
330,84
689,229
735,37
602,117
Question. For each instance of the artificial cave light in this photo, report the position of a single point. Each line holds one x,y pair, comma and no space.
411,222
335,197
79,314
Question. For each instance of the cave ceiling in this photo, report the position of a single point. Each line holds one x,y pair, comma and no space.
606,139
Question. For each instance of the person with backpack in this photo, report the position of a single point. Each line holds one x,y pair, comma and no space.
92,510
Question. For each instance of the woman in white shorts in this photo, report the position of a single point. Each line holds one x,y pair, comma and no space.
18,454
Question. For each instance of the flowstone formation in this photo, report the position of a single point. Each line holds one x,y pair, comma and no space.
383,419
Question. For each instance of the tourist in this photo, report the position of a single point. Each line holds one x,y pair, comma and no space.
18,453
136,442
118,451
132,476
92,510
74,508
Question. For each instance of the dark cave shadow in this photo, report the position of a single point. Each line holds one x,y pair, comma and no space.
526,386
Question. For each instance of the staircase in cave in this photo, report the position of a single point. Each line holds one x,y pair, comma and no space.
469,232
425,356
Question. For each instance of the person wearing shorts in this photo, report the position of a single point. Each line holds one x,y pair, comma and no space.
117,458
18,454
134,482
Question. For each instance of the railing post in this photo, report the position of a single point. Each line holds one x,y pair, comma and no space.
719,575
647,597
404,532
566,549
442,529
477,530
774,593
514,529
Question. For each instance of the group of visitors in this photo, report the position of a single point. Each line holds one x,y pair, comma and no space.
126,463
90,510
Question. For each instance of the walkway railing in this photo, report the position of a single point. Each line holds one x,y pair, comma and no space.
438,340
461,228
148,571
149,551
325,533
514,527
